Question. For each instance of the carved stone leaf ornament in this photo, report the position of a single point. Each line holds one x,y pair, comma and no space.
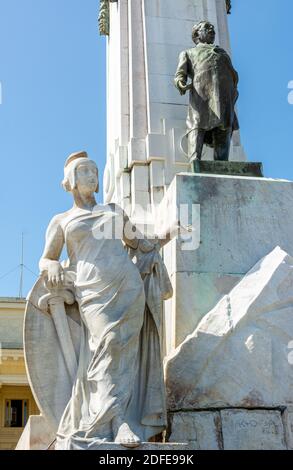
104,17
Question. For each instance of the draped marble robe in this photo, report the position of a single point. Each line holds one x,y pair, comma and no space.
120,363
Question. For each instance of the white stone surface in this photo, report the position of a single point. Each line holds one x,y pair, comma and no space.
157,195
165,56
158,31
241,220
238,354
169,112
183,10
198,293
125,185
37,434
157,174
252,430
137,75
140,178
163,90
201,430
140,201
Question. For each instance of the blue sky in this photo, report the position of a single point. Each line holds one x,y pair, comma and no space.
52,74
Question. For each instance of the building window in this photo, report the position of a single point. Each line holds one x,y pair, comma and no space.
16,413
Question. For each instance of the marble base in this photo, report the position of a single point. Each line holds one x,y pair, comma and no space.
229,168
239,355
149,446
237,221
233,429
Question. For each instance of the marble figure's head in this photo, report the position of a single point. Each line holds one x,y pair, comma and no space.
80,173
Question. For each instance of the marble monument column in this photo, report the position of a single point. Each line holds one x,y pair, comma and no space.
146,116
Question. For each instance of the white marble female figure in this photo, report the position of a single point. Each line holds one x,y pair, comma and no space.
118,394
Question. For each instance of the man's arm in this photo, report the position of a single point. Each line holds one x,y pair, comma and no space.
181,74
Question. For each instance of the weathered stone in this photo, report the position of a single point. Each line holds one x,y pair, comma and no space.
238,221
288,421
252,430
238,354
151,446
229,168
201,430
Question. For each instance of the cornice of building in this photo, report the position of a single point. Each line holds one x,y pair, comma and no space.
14,354
20,379
17,300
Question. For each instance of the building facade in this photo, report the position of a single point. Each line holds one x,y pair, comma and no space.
16,400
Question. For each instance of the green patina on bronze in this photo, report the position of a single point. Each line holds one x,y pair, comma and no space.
104,17
253,169
207,72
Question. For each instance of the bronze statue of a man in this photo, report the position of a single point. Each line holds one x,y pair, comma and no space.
211,116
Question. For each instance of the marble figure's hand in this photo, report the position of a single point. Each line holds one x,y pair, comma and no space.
55,274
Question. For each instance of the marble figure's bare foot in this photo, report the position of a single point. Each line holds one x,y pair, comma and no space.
126,437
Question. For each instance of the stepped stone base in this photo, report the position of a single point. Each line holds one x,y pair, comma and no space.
216,429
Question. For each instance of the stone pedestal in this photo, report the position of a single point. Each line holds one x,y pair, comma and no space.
233,375
145,446
229,168
236,221
232,429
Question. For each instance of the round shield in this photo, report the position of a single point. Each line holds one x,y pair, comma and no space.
48,375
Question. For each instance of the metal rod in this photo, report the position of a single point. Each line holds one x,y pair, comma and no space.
21,268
